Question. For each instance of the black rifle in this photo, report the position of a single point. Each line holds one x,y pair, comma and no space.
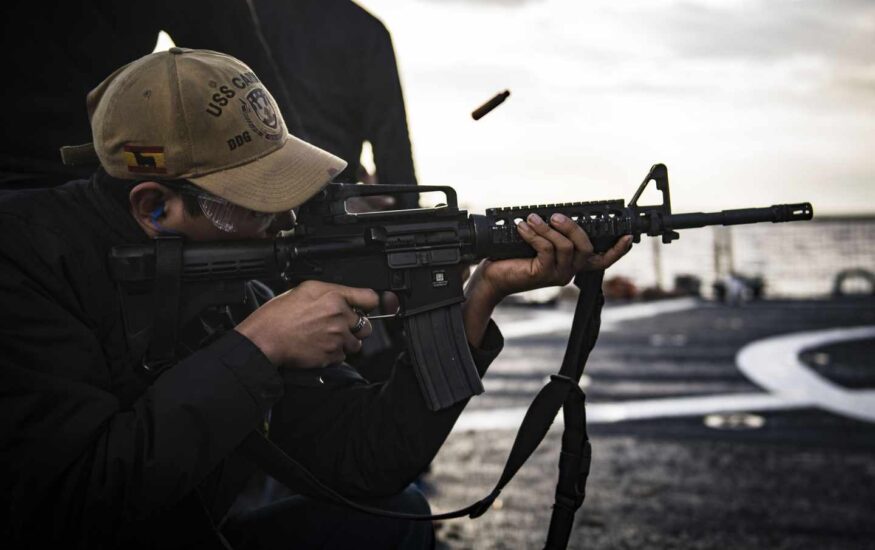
419,254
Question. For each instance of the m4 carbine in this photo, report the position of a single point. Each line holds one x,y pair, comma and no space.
419,254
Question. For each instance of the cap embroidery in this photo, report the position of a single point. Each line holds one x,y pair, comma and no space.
266,122
145,159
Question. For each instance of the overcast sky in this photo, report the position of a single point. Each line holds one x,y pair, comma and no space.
748,102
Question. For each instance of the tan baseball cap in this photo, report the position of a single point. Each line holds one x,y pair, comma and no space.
204,116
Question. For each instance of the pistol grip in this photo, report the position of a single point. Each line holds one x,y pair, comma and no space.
441,357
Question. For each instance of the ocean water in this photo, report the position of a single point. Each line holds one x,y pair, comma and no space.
796,260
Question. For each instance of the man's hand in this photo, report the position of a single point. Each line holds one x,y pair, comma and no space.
563,250
310,325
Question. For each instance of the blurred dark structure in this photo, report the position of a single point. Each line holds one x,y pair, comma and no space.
688,285
736,288
619,288
840,282
339,66
60,52
330,64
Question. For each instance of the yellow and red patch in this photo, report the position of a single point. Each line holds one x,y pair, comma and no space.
145,159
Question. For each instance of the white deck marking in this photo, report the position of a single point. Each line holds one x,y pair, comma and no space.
640,409
772,363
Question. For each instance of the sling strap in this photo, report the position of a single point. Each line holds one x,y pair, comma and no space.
165,299
576,453
562,391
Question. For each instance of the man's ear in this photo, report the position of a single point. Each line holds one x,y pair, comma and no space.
148,204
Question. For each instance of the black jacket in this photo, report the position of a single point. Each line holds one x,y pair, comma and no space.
93,451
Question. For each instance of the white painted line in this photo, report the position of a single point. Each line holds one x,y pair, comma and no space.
642,409
548,322
685,406
539,322
613,315
772,363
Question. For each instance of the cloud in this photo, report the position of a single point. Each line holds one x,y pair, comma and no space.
766,99
819,51
840,30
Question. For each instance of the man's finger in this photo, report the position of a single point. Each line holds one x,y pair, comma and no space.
365,327
613,254
563,248
581,245
389,303
543,248
573,232
316,289
560,253
363,298
351,344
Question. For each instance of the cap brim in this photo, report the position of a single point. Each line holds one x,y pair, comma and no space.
278,181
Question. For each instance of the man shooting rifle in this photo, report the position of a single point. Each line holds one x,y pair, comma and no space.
103,449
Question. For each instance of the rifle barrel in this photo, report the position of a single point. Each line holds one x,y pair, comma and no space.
775,214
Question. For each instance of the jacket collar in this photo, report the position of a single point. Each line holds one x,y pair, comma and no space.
110,198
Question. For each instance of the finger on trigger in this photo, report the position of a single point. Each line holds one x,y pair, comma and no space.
362,298
389,302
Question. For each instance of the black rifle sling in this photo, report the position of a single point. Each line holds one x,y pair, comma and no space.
576,453
165,299
562,389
